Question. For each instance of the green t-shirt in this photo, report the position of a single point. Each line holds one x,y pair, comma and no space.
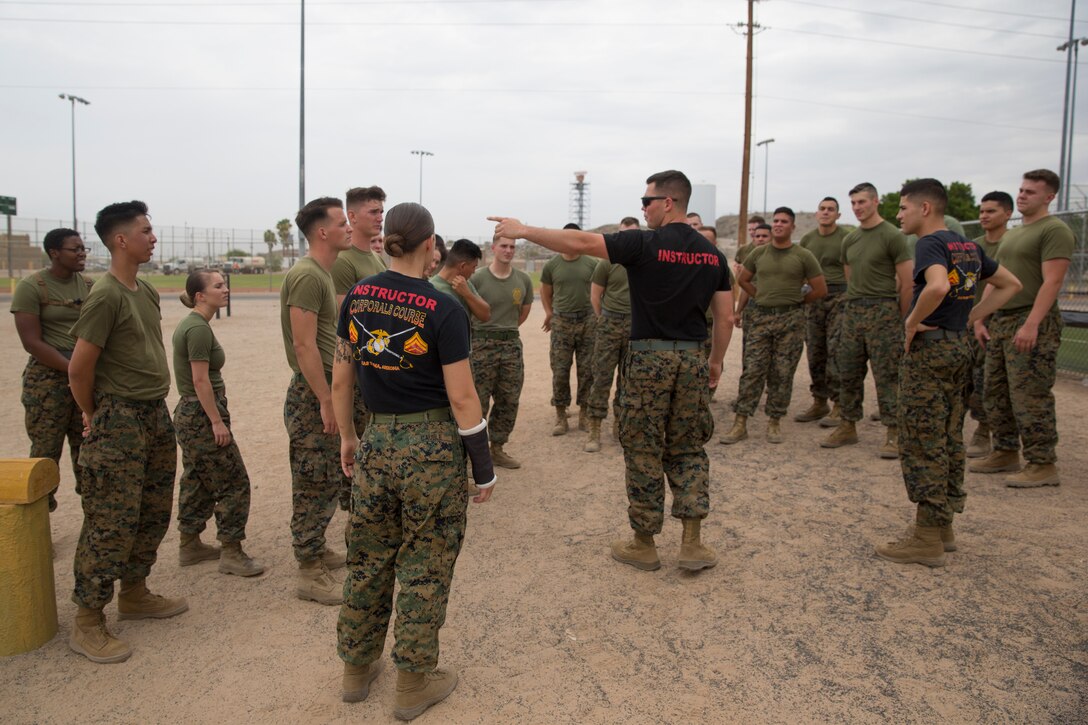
569,281
782,273
1023,251
742,252
990,248
617,295
57,316
309,287
506,297
872,255
194,340
828,252
352,265
442,285
127,325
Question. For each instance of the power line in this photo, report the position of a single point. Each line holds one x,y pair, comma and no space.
375,23
987,10
272,3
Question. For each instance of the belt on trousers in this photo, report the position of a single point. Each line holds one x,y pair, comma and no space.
835,288
217,394
572,315
776,309
941,334
434,415
1012,312
870,301
615,315
666,345
495,334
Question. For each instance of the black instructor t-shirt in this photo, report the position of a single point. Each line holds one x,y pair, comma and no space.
402,331
967,265
673,272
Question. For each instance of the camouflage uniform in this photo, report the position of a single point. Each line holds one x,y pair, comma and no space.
774,340
609,349
316,478
213,478
931,452
870,330
407,524
51,415
976,381
1019,386
129,461
823,330
571,337
665,422
499,372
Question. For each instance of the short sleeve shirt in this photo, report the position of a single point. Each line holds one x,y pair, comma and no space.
673,273
352,265
872,255
443,286
966,265
828,252
402,331
309,287
617,293
570,282
782,272
505,296
194,340
56,317
127,325
1023,251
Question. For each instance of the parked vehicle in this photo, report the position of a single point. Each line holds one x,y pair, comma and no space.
245,265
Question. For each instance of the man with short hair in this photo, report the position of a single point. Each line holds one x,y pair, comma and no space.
694,220
665,421
755,221
365,207
611,302
994,212
934,370
1023,337
823,315
308,317
497,358
568,317
454,278
877,265
119,378
774,333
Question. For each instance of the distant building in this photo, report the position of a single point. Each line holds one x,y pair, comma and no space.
702,202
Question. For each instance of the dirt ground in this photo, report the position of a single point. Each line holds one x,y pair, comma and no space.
798,622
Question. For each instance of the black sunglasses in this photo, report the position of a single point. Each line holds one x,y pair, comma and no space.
77,250
647,200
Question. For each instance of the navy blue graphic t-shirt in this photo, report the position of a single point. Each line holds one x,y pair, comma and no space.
402,331
967,265
672,272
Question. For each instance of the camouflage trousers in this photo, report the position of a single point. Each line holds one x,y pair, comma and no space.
932,377
773,341
498,369
870,333
665,423
316,478
214,479
407,525
51,416
129,460
361,418
1020,387
571,339
823,319
976,379
613,334
772,373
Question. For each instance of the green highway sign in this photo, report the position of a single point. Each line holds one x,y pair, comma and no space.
7,205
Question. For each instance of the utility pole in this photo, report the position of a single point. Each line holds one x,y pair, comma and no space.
742,222
302,123
1067,47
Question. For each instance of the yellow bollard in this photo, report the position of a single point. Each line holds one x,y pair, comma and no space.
28,600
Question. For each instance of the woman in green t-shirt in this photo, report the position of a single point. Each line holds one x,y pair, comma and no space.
214,478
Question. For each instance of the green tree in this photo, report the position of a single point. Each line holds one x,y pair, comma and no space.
961,203
283,230
237,253
270,240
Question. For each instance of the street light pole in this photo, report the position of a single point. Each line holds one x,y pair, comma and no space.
85,102
766,144
421,154
1068,48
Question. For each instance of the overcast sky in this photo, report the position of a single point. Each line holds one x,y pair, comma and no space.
194,103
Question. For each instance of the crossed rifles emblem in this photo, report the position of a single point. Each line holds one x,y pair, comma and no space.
379,342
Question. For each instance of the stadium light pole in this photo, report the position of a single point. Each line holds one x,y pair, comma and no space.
1067,48
302,120
766,144
85,102
421,154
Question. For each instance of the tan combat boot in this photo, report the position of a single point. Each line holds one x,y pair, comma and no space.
234,560
136,602
980,442
1034,475
317,584
639,552
948,537
333,559
91,639
694,555
593,440
890,449
561,426
774,431
416,691
738,432
816,411
919,545
355,685
193,550
583,419
832,419
997,462
845,434
501,458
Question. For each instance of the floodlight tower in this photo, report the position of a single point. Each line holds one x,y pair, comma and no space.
579,199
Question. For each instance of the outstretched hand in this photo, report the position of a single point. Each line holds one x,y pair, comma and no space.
508,227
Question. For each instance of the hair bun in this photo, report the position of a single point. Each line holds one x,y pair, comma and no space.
394,244
186,300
